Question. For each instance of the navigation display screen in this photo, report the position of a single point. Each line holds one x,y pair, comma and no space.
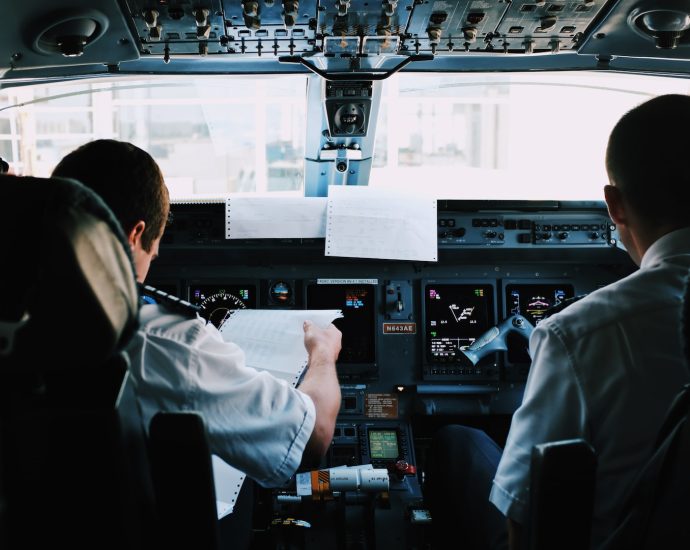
454,316
357,302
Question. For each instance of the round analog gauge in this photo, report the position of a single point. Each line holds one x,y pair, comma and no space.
280,292
218,306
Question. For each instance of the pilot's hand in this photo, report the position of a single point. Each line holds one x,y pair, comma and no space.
322,342
321,384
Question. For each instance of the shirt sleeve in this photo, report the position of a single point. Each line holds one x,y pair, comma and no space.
256,422
552,409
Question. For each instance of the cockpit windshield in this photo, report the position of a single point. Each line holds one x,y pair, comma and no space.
453,136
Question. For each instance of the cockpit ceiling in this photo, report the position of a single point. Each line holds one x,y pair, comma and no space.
342,37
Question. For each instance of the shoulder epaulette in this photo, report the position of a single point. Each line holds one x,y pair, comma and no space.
151,295
562,305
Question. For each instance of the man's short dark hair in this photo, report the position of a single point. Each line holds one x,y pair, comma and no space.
648,158
127,179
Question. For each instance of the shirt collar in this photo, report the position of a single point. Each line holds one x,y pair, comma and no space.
675,242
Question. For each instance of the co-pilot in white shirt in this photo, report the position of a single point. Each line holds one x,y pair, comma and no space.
256,422
605,369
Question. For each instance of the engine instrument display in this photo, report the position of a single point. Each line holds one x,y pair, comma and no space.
454,316
217,301
357,302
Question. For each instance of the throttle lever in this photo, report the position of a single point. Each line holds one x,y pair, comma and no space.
495,339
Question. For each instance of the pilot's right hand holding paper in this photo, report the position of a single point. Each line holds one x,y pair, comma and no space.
273,340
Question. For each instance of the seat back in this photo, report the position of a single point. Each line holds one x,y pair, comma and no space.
561,495
73,460
74,465
183,480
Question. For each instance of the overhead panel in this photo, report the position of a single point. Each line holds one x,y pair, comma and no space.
547,26
362,19
444,26
502,27
270,27
359,28
177,26
263,27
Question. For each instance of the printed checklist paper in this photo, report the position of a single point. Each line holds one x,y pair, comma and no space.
273,341
365,224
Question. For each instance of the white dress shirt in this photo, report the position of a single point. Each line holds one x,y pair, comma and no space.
605,369
256,422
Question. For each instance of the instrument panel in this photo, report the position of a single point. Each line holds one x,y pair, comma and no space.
404,322
439,317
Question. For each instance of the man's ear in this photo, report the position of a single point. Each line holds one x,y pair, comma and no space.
136,232
616,204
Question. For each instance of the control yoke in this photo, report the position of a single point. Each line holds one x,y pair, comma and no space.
495,339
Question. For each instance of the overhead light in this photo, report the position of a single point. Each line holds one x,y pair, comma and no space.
665,26
68,33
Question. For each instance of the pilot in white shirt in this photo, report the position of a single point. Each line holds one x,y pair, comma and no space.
613,355
255,421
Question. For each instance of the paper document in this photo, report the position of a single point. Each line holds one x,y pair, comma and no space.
228,482
376,225
273,341
275,217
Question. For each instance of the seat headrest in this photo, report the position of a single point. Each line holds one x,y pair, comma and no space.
67,282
